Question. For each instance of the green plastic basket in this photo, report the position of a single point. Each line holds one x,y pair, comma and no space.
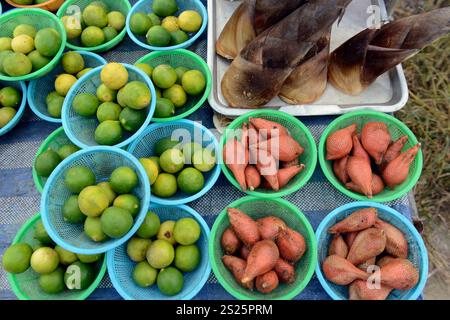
397,130
181,58
258,208
39,19
76,7
297,130
54,141
25,285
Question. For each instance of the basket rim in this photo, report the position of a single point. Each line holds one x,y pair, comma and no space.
197,287
104,46
12,278
308,171
32,88
215,173
200,62
20,111
68,105
100,247
185,44
38,5
49,66
415,292
393,194
297,288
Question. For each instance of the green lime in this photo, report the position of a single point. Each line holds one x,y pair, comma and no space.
176,94
92,201
10,97
136,95
95,16
156,21
149,228
190,180
46,162
116,222
3,56
105,94
156,161
72,25
67,150
170,281
17,64
146,68
44,260
158,36
5,43
164,8
108,111
83,72
65,257
186,231
16,259
132,119
63,83
85,104
114,75
137,248
160,254
188,151
128,202
89,258
151,168
6,115
41,235
193,82
47,42
172,160
109,192
190,21
110,33
71,210
170,23
52,282
116,19
178,37
204,160
78,178
79,276
187,258
123,180
164,108
166,232
92,37
165,144
54,104
100,4
165,185
180,71
23,44
108,132
72,62
38,61
144,275
140,23
93,229
164,76
24,28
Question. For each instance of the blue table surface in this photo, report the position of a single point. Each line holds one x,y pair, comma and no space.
19,199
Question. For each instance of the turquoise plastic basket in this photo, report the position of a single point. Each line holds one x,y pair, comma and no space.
143,146
22,87
120,267
417,251
38,90
146,7
103,161
79,129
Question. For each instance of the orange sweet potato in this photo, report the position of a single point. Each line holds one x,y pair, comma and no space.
268,128
285,271
267,166
384,260
283,148
262,258
244,252
237,267
291,244
252,178
340,169
236,158
360,174
285,175
396,244
245,227
394,150
377,185
397,170
340,271
359,290
358,150
349,237
357,221
230,242
339,143
375,138
269,227
338,246
399,274
267,282
368,244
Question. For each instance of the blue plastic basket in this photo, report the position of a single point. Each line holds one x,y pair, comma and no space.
120,266
79,129
417,251
146,7
103,161
22,87
142,147
38,90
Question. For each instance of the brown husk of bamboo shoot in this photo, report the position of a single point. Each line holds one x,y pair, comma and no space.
362,59
259,71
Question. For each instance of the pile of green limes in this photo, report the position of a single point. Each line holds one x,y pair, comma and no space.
171,252
171,30
58,268
48,160
10,99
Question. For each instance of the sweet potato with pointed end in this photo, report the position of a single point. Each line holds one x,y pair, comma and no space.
244,135
340,169
291,244
283,148
397,170
245,227
350,237
399,274
270,227
269,128
358,150
285,271
285,175
360,173
339,144
366,264
230,242
244,252
267,282
237,267
377,185
267,166
384,261
262,258
236,158
338,246
396,244
394,150
289,164
340,271
359,290
357,221
252,178
253,135
368,244
375,138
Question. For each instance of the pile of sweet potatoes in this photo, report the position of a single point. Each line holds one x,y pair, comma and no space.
370,162
261,253
265,156
370,256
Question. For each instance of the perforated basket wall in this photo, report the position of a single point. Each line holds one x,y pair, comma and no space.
25,285
39,19
22,87
396,128
259,208
81,130
39,89
76,7
416,248
181,58
145,6
297,130
103,161
120,267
